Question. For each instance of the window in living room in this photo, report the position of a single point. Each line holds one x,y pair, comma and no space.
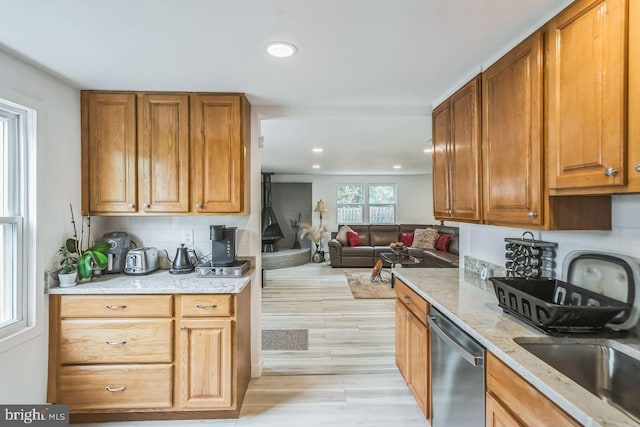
382,204
366,203
350,203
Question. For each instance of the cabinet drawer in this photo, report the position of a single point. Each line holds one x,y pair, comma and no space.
412,300
116,306
132,386
206,305
116,341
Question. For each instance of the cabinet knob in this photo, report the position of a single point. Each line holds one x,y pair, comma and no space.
199,206
146,205
611,172
183,328
130,205
637,167
532,215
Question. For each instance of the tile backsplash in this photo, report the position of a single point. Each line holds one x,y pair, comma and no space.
167,232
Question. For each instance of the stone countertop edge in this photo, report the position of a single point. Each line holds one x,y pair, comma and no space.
159,282
471,304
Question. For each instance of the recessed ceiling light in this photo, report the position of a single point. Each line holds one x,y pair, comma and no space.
428,150
316,166
317,150
397,166
281,49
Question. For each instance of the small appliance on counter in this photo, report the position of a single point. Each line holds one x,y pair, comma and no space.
224,261
120,245
141,261
184,262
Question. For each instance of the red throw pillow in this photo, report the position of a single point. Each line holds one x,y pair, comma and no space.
407,239
442,244
353,238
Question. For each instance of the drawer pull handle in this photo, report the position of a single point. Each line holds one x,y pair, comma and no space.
113,390
116,307
206,306
408,299
116,343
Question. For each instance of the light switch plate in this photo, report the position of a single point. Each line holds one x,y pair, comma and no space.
187,237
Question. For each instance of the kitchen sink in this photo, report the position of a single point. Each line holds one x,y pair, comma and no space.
604,371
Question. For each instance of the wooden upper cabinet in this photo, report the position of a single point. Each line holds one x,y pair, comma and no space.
465,153
440,140
512,136
218,153
456,155
633,161
163,157
587,95
109,179
164,153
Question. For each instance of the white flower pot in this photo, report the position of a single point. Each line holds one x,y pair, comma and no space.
68,279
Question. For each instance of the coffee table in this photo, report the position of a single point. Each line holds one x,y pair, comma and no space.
398,258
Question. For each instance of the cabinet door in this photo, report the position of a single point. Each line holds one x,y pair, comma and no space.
218,154
205,364
402,339
109,153
464,153
497,415
512,136
440,141
419,356
164,153
587,63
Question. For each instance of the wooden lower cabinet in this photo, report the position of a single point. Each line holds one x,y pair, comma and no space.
512,401
498,415
149,357
413,346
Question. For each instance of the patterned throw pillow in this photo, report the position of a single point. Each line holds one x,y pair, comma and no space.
354,238
342,235
442,244
424,238
407,239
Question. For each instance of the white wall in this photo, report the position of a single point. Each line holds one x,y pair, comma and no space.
415,195
487,242
23,368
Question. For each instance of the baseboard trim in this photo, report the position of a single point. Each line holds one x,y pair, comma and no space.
256,368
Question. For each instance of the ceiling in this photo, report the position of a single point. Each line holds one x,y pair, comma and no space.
399,56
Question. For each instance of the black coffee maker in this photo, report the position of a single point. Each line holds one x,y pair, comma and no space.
223,245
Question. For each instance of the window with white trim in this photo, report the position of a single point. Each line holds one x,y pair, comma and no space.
366,203
14,305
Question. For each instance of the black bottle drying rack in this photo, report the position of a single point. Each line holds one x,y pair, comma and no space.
530,258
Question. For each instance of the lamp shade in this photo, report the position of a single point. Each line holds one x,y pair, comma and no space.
320,207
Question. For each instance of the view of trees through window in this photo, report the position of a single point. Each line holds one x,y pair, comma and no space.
378,207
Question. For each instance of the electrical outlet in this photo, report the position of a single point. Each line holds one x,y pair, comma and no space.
187,237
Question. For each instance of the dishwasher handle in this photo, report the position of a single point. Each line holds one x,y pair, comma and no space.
459,347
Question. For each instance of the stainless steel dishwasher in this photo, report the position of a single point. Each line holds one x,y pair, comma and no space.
457,375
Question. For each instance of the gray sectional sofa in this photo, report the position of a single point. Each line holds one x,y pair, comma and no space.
375,240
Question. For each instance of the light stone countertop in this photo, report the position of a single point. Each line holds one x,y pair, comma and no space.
159,282
471,304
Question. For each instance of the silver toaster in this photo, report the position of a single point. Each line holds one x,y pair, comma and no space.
141,261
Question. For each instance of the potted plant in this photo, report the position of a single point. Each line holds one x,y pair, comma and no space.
316,235
90,257
68,273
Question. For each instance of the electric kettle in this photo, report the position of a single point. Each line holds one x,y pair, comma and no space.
184,262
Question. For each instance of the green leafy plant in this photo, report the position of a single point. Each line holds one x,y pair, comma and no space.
86,258
68,261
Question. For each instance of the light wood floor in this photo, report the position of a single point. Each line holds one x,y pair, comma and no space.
346,378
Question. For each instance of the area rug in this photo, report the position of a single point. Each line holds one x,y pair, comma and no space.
363,288
285,339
